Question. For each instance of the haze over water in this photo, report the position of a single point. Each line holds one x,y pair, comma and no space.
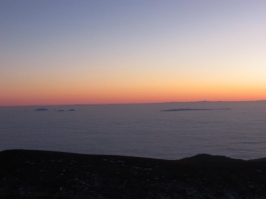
234,129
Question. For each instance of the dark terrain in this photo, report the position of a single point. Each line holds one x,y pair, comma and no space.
27,174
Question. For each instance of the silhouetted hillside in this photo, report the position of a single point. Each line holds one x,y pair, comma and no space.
43,174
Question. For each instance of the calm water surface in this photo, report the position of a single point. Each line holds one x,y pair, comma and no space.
140,130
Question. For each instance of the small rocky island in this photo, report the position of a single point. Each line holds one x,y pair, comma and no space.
194,109
41,109
27,174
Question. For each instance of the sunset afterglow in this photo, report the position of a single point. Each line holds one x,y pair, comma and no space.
101,52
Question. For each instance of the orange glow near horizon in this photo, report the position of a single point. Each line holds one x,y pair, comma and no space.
133,95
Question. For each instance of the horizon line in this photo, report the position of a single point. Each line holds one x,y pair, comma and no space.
135,103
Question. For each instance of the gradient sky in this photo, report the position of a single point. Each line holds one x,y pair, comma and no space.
133,51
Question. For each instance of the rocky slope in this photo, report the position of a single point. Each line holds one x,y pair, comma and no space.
27,174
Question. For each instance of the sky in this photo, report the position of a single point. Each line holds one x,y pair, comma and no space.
131,51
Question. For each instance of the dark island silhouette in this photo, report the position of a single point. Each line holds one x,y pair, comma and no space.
70,110
29,174
41,109
193,109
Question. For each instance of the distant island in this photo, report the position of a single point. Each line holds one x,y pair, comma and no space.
41,109
193,109
70,110
59,110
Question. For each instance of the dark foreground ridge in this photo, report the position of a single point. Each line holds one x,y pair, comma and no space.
27,174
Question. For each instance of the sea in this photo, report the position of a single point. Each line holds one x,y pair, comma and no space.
160,130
